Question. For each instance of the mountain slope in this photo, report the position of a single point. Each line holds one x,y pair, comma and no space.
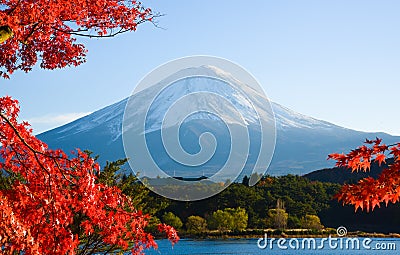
302,145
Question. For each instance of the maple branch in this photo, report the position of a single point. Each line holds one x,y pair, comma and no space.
35,152
20,162
155,22
88,243
31,32
14,8
111,34
23,141
121,31
112,247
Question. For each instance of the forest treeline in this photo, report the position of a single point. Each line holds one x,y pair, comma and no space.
283,202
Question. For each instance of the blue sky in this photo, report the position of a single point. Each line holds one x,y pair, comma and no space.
333,60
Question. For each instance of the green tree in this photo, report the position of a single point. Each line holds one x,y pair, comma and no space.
113,175
311,222
220,220
239,218
171,219
229,219
245,180
196,224
240,195
7,179
277,218
293,222
152,227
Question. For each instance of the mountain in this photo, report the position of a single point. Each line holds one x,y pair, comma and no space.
302,142
343,175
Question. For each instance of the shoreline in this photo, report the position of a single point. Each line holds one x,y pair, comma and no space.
210,235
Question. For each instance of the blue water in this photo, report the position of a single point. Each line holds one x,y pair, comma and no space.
249,247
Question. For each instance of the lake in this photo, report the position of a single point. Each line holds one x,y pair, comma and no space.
250,247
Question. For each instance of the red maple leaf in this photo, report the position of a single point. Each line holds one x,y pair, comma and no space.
46,31
368,192
38,213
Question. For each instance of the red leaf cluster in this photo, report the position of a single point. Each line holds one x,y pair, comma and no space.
45,30
37,213
369,192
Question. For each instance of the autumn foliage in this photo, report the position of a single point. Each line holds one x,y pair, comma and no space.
369,192
56,205
46,31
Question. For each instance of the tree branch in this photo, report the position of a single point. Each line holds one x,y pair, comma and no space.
23,141
35,152
78,32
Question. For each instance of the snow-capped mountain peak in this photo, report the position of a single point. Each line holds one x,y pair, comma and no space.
303,142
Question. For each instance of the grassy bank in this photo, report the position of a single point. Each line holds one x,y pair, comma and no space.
288,233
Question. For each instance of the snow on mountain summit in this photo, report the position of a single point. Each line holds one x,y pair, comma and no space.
286,118
235,92
302,143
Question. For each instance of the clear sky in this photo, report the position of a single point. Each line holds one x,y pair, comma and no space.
333,60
